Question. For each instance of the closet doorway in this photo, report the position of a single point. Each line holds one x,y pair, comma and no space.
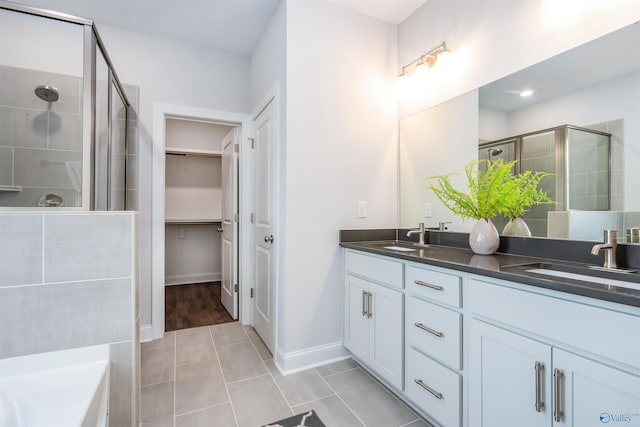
243,258
201,231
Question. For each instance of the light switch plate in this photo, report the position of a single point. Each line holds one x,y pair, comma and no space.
362,209
428,210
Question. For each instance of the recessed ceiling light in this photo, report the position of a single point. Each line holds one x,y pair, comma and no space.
526,93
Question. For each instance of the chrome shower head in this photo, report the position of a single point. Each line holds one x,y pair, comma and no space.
495,151
47,93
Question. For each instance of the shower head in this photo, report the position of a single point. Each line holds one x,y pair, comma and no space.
47,93
495,151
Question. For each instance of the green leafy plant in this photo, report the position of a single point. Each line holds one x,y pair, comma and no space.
496,189
522,192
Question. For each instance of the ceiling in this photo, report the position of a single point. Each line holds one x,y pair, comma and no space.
230,25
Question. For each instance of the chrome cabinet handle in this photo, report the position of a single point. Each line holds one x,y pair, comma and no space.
370,300
428,329
428,285
364,310
539,373
429,389
268,239
557,410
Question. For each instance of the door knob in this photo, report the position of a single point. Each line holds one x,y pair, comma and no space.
268,239
220,229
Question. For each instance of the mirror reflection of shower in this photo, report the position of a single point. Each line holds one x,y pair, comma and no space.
493,152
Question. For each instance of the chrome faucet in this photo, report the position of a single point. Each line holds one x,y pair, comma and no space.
610,244
419,230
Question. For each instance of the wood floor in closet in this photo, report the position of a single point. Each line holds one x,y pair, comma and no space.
189,306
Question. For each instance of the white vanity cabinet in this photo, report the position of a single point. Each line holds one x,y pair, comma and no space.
374,314
538,360
433,342
468,350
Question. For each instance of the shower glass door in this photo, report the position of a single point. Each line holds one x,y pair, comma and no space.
41,104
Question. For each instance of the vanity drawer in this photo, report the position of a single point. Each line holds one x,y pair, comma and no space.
434,330
375,268
443,401
435,285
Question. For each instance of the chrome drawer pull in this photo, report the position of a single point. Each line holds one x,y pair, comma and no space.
429,389
369,305
539,373
428,329
428,285
557,413
364,310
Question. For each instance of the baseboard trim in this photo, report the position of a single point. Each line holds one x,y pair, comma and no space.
192,278
146,333
288,363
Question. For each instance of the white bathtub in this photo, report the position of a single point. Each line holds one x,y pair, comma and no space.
58,389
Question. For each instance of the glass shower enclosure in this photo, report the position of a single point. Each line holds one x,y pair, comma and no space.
579,159
63,115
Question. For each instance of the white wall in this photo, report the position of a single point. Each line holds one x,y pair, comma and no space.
493,38
171,72
341,149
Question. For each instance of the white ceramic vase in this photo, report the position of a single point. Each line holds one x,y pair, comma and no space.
484,238
516,227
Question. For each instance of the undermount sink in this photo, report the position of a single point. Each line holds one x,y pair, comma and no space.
400,248
594,274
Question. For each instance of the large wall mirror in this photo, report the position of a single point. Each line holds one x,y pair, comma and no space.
582,122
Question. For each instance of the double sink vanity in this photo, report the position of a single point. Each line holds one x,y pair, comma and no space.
494,341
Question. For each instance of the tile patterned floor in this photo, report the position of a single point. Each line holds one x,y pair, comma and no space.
224,376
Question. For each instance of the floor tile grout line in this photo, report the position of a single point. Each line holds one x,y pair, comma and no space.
248,379
203,409
224,380
388,390
313,400
276,384
341,399
264,362
196,361
338,373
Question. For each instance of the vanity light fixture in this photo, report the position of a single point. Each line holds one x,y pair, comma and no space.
425,61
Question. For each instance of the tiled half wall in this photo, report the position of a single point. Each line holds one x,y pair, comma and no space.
69,279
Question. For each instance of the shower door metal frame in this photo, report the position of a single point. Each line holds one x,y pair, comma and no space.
91,42
561,147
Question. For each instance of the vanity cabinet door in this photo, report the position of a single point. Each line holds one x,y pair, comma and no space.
510,379
387,323
358,330
589,394
374,328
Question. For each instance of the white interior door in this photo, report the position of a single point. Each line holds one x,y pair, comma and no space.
264,225
229,241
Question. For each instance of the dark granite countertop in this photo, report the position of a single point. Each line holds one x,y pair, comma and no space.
513,268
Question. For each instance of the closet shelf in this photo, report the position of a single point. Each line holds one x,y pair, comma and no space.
192,220
192,152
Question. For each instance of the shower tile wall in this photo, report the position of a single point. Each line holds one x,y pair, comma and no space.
69,279
538,154
40,142
616,129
